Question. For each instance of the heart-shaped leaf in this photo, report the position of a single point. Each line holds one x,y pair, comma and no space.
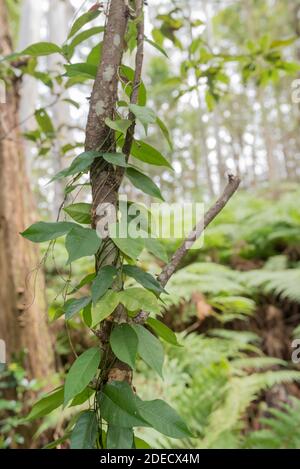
81,242
124,344
103,282
81,373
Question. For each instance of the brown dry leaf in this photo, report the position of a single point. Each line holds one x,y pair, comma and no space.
203,308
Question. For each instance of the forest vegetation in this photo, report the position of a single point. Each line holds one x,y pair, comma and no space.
159,341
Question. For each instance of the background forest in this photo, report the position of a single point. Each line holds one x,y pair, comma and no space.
224,78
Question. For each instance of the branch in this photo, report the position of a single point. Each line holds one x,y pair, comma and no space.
210,215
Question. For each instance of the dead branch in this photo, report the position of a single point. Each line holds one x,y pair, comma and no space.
210,215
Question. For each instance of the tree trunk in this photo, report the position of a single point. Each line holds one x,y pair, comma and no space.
271,160
23,323
30,32
59,15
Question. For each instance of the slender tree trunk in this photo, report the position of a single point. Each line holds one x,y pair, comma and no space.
207,165
272,163
283,140
30,32
59,16
23,323
221,164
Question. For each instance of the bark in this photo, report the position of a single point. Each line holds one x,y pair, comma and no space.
23,323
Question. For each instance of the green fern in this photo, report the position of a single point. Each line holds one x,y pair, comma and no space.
281,428
284,283
212,381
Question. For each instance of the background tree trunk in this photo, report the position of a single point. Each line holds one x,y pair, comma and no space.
23,323
30,32
59,15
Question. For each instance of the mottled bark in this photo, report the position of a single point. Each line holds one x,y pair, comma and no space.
23,323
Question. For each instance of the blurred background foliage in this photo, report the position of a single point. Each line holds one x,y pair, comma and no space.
225,93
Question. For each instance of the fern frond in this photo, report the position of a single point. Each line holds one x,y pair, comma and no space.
285,283
282,429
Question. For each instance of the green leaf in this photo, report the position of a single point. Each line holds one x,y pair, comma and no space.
156,46
81,373
143,278
140,444
85,431
163,418
76,80
44,121
137,298
47,404
143,182
119,438
80,212
118,406
87,315
165,132
210,101
103,281
283,42
85,281
124,344
118,159
105,307
144,152
84,35
42,231
86,70
58,441
163,331
150,349
72,103
144,114
131,247
82,397
80,164
74,306
95,55
81,242
155,247
121,125
127,75
42,48
83,20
